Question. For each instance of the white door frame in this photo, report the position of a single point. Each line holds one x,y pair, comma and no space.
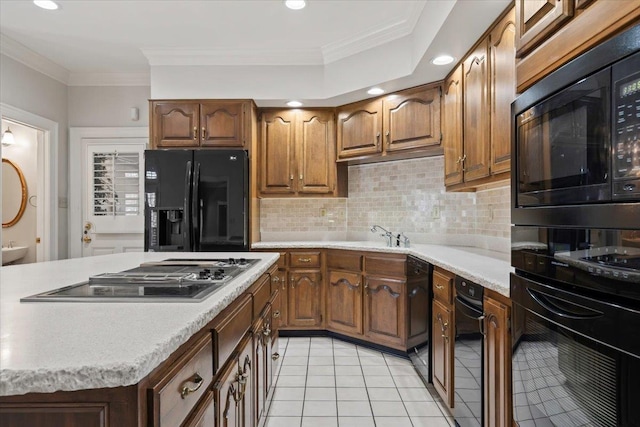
76,135
47,207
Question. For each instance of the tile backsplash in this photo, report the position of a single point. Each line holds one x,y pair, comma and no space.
405,195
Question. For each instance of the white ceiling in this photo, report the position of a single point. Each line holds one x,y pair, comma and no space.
341,45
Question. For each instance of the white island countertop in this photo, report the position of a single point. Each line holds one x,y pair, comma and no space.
488,268
51,346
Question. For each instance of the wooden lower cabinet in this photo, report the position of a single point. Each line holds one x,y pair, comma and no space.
227,395
344,302
305,298
497,364
205,415
279,282
442,350
384,311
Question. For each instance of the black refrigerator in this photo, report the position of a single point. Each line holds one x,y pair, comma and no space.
196,200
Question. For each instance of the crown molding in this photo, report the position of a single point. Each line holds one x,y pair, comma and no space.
249,56
31,59
376,36
109,79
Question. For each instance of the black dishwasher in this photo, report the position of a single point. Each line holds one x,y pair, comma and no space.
468,353
419,315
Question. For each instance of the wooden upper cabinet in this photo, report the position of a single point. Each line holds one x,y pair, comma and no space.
503,91
222,124
194,124
476,113
452,127
277,152
316,152
411,119
537,19
175,124
298,154
360,129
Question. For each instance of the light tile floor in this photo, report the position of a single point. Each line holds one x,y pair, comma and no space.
325,382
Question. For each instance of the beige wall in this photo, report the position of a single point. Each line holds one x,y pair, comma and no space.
23,154
399,196
108,106
29,90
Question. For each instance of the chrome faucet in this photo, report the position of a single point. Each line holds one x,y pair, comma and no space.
387,234
404,239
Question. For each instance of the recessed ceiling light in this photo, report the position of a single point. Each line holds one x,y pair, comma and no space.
442,60
294,104
375,91
46,4
295,4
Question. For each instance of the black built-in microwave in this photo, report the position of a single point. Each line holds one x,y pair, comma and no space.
576,141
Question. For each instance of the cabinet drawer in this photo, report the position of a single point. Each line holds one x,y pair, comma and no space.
304,259
205,415
344,260
385,265
180,389
230,329
261,291
442,285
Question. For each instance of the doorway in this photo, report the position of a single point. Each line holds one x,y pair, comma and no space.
45,138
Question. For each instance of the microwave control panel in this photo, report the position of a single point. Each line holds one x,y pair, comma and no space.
626,145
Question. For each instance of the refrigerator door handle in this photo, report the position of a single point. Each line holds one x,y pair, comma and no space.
195,208
186,232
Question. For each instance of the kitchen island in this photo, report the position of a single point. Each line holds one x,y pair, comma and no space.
59,347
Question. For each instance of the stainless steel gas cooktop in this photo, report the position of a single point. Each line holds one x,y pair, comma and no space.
172,280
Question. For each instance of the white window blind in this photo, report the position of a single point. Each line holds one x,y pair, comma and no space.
116,183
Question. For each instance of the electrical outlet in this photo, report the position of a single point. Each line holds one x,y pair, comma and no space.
323,212
435,212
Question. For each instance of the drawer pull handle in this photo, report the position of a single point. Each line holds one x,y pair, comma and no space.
197,380
275,279
304,259
439,287
275,356
276,314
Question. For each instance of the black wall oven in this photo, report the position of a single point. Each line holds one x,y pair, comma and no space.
576,242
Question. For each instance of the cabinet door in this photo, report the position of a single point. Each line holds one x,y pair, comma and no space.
344,302
315,152
360,129
175,124
222,124
277,166
384,311
246,381
204,416
442,349
452,127
497,365
280,281
227,395
412,119
259,371
305,297
538,19
503,91
267,342
476,113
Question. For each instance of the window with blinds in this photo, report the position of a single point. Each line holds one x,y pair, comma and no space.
116,183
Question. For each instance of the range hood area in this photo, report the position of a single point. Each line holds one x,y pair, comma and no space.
170,280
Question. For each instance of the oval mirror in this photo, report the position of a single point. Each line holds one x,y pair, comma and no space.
14,193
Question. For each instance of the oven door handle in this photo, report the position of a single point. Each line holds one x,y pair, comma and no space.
563,308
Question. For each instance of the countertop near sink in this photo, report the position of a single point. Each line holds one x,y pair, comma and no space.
50,346
488,268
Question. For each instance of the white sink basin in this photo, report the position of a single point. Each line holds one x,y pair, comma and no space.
13,254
